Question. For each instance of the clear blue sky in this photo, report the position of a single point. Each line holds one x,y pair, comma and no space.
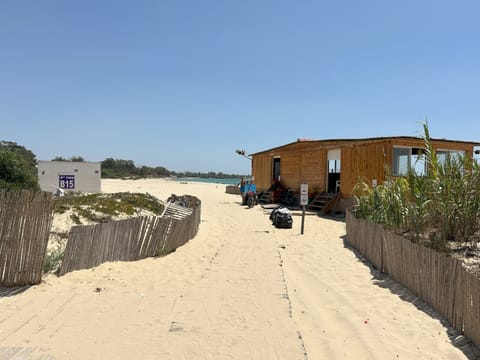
182,84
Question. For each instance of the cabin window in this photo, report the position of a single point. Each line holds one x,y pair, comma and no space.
454,155
401,161
418,162
406,158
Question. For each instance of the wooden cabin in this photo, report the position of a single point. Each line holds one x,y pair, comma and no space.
331,166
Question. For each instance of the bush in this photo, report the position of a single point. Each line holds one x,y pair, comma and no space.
442,206
16,173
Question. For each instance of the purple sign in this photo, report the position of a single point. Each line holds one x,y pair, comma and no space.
66,181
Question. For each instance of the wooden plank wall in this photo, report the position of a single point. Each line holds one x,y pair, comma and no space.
300,162
312,170
25,221
438,280
131,239
307,161
362,161
262,170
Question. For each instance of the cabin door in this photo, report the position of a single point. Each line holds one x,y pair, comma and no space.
276,169
333,171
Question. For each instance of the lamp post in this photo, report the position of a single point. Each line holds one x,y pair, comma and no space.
243,153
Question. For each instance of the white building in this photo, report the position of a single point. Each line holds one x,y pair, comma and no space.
69,176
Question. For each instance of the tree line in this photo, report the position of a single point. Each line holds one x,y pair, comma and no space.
18,168
118,168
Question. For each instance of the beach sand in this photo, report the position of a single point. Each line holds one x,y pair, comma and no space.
241,289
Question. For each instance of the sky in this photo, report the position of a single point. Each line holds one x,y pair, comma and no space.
184,83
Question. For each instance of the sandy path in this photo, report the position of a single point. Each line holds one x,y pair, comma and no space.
345,311
240,290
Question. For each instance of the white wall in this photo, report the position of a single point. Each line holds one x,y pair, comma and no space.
71,176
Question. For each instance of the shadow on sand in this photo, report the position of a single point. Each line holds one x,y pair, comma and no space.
384,281
12,291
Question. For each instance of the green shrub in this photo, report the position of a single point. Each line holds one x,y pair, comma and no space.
442,206
16,173
54,256
76,219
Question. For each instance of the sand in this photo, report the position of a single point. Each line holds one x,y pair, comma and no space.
241,289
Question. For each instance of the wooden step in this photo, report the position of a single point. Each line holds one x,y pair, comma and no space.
323,202
266,197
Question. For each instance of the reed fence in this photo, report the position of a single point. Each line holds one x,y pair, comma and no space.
439,280
131,239
25,221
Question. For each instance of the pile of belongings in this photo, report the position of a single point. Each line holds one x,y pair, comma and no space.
281,218
187,201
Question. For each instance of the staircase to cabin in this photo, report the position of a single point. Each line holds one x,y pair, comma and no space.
266,197
323,202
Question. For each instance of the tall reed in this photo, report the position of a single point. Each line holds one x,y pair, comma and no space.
441,206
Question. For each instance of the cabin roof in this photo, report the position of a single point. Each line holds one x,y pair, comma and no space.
361,140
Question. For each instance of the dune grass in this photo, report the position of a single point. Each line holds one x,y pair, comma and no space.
95,208
437,208
100,207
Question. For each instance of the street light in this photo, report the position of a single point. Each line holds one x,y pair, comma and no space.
243,153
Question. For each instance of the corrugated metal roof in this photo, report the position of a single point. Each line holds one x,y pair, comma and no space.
372,139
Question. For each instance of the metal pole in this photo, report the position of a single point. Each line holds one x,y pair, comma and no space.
303,219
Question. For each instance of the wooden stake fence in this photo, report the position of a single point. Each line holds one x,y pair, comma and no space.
25,221
131,239
440,281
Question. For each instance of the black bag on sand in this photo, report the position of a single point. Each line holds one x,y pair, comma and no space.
282,218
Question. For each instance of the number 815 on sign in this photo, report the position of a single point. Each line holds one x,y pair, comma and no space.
66,181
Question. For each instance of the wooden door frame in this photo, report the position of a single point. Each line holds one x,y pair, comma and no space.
327,172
